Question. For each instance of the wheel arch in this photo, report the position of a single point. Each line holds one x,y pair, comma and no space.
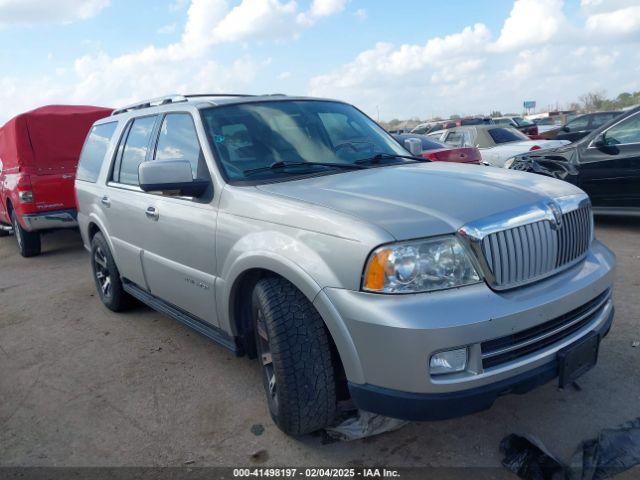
237,309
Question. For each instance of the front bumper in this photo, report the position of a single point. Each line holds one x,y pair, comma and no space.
385,341
441,406
50,220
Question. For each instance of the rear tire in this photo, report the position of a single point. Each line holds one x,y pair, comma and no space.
294,350
107,276
28,242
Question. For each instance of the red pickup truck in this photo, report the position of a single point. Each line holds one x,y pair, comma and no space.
39,153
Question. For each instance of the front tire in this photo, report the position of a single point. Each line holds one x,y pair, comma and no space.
28,242
107,276
294,350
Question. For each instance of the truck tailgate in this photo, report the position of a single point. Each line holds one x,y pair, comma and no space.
54,191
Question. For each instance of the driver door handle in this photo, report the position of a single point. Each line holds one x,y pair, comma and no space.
152,213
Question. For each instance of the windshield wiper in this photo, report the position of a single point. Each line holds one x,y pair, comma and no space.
280,165
382,156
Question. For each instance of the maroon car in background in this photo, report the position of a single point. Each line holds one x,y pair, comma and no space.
440,152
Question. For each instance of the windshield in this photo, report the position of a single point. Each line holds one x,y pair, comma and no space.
252,137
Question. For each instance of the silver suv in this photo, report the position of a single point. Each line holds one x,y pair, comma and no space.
298,232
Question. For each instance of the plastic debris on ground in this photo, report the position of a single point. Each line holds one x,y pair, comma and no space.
361,424
528,458
614,451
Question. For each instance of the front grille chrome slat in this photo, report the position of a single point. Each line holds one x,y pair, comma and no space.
529,252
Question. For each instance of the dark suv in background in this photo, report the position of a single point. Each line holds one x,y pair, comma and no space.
581,126
605,164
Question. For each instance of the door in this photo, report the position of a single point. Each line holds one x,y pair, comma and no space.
124,203
179,250
610,174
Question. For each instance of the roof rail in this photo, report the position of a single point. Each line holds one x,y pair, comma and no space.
195,95
154,102
151,103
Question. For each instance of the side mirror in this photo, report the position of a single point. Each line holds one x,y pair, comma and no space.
414,145
565,128
170,175
600,141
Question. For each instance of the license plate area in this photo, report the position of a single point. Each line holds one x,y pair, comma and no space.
578,358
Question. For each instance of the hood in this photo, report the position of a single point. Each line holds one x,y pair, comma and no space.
527,144
420,200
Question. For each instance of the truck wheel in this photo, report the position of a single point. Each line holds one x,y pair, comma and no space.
294,350
107,276
28,242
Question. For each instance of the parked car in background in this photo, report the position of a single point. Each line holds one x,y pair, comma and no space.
496,143
39,153
580,126
519,123
546,124
436,151
605,164
428,127
299,232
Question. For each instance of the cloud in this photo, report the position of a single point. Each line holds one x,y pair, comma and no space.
167,29
621,22
256,20
32,12
184,66
320,9
473,72
531,22
360,14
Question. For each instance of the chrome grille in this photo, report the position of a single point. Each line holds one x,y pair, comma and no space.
538,244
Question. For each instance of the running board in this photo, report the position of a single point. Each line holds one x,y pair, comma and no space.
203,328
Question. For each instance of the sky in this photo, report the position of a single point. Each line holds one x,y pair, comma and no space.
392,59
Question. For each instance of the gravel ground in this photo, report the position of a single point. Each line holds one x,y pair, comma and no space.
82,386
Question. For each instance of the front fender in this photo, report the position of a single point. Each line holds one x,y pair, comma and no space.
299,264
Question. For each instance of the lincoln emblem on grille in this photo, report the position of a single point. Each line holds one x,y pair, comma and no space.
557,216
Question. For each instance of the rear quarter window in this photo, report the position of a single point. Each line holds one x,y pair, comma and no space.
94,151
505,135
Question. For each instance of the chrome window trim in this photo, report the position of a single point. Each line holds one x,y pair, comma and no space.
125,186
473,234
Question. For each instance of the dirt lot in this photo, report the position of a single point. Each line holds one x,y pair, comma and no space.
81,386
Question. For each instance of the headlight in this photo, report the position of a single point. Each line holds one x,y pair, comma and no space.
419,266
509,162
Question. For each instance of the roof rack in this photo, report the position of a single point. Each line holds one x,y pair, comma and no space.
153,102
196,95
173,98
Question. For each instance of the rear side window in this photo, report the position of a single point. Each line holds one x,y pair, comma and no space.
601,119
94,151
455,139
135,149
506,135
